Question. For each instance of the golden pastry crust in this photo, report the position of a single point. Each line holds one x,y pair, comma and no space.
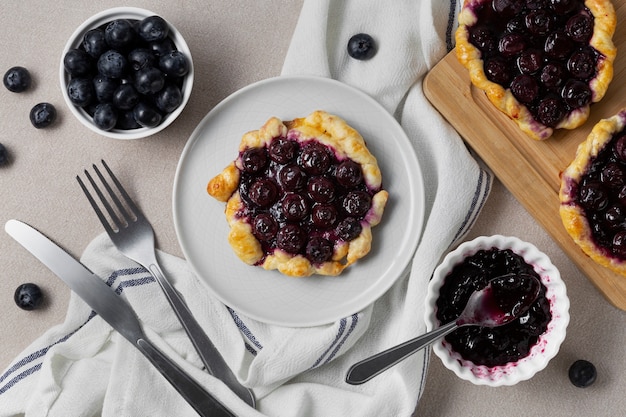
346,143
572,214
602,40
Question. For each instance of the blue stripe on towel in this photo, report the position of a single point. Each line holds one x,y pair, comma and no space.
246,332
338,341
478,201
450,27
16,372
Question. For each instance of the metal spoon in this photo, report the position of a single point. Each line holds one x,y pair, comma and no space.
503,300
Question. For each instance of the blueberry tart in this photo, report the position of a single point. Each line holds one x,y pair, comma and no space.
301,196
593,194
541,62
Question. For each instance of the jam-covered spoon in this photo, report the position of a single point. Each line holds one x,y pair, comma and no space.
505,298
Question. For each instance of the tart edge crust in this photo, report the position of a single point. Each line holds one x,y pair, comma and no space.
347,142
605,21
572,215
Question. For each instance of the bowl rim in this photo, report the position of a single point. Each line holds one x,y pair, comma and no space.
548,344
99,19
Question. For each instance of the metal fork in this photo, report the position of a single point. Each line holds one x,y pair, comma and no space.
133,235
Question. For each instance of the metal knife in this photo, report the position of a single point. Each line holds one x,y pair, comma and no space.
113,309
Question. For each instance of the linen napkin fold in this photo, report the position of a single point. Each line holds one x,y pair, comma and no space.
84,368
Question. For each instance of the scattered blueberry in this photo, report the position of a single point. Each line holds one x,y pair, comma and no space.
582,373
43,115
28,296
361,46
4,155
17,79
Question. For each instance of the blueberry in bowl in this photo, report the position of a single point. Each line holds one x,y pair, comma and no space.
510,353
126,73
542,63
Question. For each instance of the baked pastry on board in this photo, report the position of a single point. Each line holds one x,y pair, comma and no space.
302,196
593,194
541,62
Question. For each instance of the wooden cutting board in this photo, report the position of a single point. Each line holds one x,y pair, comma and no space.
530,169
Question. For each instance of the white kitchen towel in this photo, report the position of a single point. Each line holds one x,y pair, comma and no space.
83,368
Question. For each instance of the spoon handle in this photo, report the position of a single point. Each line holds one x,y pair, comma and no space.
368,368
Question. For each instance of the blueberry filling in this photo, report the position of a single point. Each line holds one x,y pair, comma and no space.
300,197
498,345
601,193
540,51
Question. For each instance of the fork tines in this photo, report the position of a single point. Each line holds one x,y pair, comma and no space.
122,213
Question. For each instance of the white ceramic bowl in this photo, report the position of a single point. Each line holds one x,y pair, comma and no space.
548,344
98,20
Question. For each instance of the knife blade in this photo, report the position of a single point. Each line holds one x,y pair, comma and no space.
114,310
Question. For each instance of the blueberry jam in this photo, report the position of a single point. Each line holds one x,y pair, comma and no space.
298,196
491,346
602,195
538,49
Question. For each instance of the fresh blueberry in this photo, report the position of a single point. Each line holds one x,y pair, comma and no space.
4,155
125,97
319,250
17,79
141,58
253,160
105,116
160,48
77,62
80,91
43,115
94,42
146,115
582,373
126,121
28,296
153,28
361,46
149,80
174,64
112,64
119,33
169,98
104,87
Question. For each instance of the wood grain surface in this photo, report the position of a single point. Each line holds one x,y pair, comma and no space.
530,169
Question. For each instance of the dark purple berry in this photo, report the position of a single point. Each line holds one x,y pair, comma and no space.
563,7
314,158
580,27
321,189
4,155
524,88
582,373
105,116
254,160
119,34
263,192
290,238
582,64
349,174
149,81
153,29
283,150
169,98
174,64
349,228
530,61
147,115
613,175
17,79
319,250
619,148
77,62
94,43
558,45
294,207
550,111
511,44
619,244
553,75
292,177
484,39
264,227
28,296
356,203
324,216
539,22
507,8
112,64
593,196
43,115
361,46
498,71
576,93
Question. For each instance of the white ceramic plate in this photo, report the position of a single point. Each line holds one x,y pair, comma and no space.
269,296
